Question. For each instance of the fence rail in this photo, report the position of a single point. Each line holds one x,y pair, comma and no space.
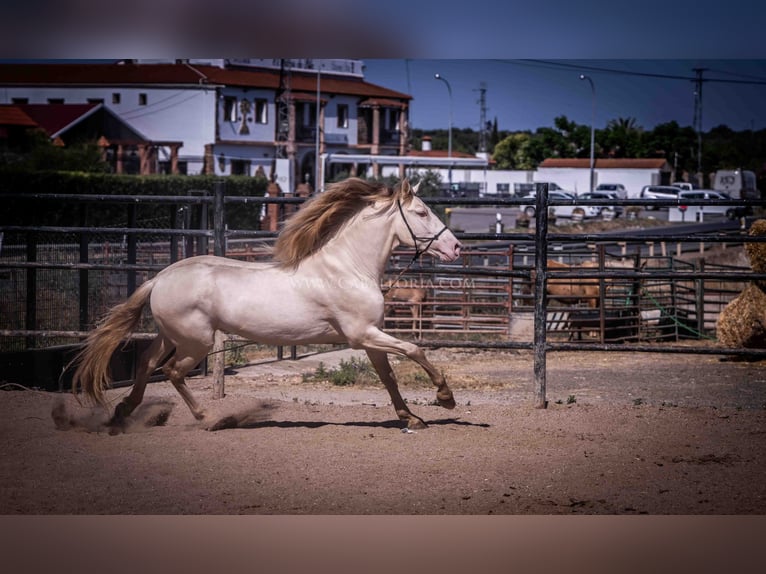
498,282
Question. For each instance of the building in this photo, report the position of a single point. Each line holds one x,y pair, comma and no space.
225,117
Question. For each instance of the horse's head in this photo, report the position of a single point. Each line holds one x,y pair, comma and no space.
417,226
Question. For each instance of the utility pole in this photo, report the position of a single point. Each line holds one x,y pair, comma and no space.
698,118
482,117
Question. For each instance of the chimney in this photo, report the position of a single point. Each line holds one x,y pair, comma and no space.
426,143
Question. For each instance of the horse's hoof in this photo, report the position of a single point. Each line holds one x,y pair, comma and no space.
416,424
228,422
445,400
116,428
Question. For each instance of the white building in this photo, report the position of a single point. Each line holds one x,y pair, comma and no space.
230,116
574,174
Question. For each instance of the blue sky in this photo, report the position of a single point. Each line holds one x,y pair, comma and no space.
528,94
488,41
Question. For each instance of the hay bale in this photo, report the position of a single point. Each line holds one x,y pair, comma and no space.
742,323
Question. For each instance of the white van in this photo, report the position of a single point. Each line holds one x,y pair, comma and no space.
738,183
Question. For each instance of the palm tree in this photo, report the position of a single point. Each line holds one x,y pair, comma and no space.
623,137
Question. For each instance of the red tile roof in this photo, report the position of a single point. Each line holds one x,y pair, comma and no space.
12,115
55,117
605,163
182,74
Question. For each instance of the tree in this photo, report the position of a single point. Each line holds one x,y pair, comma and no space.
513,152
622,138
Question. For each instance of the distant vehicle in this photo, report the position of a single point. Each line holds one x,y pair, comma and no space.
730,211
738,183
685,185
584,211
524,189
461,189
659,192
607,196
617,188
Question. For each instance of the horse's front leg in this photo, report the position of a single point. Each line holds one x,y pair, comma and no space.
376,340
379,360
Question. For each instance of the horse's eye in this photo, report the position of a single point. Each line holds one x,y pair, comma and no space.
421,213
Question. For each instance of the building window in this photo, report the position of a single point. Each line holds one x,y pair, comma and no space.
504,188
141,99
240,167
55,100
116,98
261,111
342,115
19,100
229,109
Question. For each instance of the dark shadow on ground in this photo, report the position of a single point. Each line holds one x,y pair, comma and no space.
231,422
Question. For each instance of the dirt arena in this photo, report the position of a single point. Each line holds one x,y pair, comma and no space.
624,433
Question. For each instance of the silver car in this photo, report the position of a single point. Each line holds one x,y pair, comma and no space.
659,192
730,211
607,197
574,210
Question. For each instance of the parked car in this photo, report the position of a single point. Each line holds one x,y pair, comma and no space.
617,188
608,197
730,211
585,211
685,185
659,192
524,189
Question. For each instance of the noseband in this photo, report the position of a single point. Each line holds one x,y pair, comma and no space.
415,238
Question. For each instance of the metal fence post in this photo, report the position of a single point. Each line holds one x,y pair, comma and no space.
541,270
84,238
219,249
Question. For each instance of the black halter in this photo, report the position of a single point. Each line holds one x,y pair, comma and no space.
415,238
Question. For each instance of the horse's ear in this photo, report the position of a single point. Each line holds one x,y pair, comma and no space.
416,187
405,189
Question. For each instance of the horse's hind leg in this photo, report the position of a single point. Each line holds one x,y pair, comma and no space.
184,360
379,360
146,366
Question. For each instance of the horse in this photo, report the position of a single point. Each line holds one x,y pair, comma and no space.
415,296
321,286
571,290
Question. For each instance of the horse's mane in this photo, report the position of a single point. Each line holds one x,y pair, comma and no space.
320,218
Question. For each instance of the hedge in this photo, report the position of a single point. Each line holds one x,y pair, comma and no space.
24,212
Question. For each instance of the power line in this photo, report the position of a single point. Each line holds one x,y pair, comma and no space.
554,64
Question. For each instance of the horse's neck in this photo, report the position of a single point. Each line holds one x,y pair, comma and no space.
363,246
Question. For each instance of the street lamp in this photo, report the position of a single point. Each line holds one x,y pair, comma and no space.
592,126
449,132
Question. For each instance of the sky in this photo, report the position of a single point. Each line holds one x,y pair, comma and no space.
508,44
526,94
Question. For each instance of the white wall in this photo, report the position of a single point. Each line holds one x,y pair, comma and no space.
571,179
578,180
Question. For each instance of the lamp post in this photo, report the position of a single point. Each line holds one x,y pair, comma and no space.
592,126
449,131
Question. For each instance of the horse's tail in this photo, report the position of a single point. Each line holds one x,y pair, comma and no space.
93,373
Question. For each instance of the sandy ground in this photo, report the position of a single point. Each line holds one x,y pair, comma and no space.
623,434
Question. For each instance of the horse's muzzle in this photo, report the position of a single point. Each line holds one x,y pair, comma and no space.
449,249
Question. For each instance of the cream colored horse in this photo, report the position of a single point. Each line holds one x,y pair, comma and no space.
322,287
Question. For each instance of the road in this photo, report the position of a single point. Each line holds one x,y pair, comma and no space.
484,219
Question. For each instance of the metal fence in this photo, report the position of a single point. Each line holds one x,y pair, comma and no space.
57,281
